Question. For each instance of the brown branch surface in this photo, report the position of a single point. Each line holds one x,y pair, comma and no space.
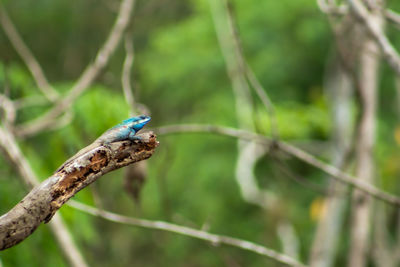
45,199
57,226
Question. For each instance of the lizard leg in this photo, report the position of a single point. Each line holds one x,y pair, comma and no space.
132,136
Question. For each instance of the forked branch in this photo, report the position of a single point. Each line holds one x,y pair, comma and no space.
87,77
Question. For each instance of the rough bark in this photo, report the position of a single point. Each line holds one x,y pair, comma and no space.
43,201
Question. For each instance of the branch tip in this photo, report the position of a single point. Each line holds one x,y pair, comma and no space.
44,200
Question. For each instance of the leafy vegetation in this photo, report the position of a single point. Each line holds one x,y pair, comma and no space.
179,74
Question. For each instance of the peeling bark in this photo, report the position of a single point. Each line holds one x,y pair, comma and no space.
44,200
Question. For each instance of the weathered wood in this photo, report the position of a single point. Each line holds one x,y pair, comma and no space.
43,201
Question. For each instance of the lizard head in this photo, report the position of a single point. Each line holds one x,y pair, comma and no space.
137,123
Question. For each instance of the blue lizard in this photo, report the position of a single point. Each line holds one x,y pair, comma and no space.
124,131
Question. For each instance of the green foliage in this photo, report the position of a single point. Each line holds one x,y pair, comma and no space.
182,77
180,74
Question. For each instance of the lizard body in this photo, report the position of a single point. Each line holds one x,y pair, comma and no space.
124,131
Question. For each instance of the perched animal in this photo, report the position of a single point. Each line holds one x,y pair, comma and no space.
124,131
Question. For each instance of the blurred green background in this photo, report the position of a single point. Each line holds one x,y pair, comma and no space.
179,74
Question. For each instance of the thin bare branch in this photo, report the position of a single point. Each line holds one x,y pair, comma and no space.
262,94
30,101
242,79
66,243
88,76
384,252
289,238
61,233
126,74
362,208
62,121
284,168
8,108
287,148
22,49
252,78
389,52
187,231
339,85
45,199
392,16
331,8
234,64
248,152
242,67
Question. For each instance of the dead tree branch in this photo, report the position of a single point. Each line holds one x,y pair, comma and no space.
289,149
57,226
186,231
45,199
235,64
8,108
362,207
333,9
126,74
388,51
392,16
22,49
88,76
